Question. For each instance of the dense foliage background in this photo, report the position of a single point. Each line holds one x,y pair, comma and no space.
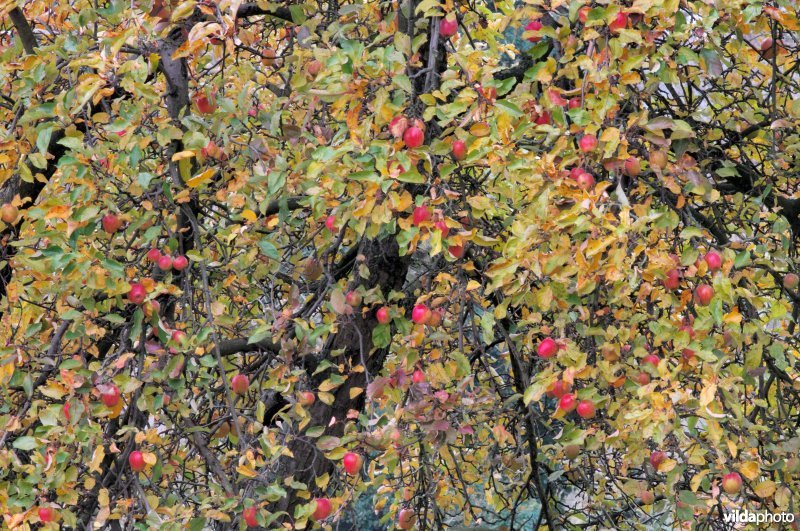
437,264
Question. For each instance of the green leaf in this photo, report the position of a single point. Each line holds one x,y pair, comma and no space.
25,443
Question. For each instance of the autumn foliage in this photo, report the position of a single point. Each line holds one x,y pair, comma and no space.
489,264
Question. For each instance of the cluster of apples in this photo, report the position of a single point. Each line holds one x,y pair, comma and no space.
560,390
165,262
703,293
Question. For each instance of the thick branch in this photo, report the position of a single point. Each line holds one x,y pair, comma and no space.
24,30
253,10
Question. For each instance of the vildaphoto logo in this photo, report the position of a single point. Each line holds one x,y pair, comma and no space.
757,517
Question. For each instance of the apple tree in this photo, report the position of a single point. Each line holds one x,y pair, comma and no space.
482,264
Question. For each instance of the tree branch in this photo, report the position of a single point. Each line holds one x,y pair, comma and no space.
24,30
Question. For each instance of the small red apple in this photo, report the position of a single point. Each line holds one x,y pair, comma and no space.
547,348
534,25
459,149
413,137
8,213
240,383
543,119
791,281
673,280
322,509
714,260
179,336
586,409
448,26
732,482
406,519
651,359
585,181
687,354
111,223
165,262
457,251
421,214
110,395
203,104
420,314
398,126
558,389
383,315
656,458
567,403
353,298
330,223
576,172
574,103
180,263
136,460
704,293
642,378
352,463
572,451
418,376
153,254
632,166
307,398
45,514
587,143
249,517
443,228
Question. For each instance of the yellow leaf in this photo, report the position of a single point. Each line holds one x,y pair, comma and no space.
765,489
355,391
750,470
150,458
480,129
249,215
246,471
186,154
200,178
97,458
707,395
59,212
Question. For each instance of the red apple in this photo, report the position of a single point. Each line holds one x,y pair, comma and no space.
383,315
732,482
567,402
619,22
398,126
165,262
572,451
110,395
153,254
203,105
457,251
642,378
587,143
307,398
136,460
45,514
547,348
180,263
585,181
111,223
656,458
673,280
651,359
352,463
322,508
543,119
703,294
9,213
330,223
632,167
418,376
791,281
420,215
687,354
179,336
406,519
558,389
448,26
413,137
249,517
353,298
576,172
420,314
240,383
534,25
574,103
586,409
714,260
443,228
459,149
